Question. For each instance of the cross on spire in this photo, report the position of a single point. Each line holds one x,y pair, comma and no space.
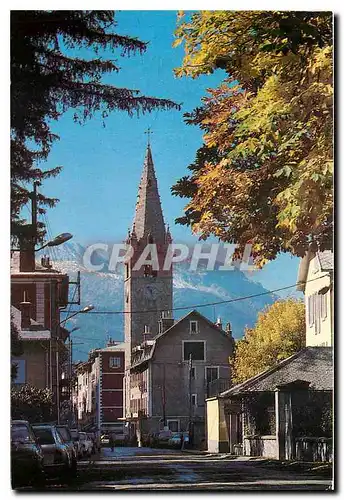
148,132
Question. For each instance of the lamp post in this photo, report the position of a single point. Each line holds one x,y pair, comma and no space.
84,310
58,240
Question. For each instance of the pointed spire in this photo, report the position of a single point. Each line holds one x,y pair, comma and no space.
148,215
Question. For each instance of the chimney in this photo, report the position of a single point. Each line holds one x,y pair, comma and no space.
219,323
166,321
25,308
147,333
228,330
26,254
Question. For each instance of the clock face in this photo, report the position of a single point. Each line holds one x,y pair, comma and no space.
147,292
152,291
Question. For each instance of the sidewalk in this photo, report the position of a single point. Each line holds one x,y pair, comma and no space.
323,469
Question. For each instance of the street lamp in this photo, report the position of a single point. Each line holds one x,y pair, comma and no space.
58,240
84,310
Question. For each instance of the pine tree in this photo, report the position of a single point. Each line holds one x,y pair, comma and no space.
47,79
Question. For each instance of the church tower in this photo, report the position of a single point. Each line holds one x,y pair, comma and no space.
147,290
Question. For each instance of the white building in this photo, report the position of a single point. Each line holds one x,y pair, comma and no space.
315,279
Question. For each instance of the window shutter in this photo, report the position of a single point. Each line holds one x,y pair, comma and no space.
311,307
324,306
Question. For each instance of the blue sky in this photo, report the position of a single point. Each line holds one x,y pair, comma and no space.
102,166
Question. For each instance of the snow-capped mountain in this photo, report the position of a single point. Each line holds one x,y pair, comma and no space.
192,289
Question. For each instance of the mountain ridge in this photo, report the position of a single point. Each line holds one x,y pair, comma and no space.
104,290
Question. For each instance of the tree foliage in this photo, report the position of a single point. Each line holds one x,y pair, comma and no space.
264,173
280,331
30,403
48,77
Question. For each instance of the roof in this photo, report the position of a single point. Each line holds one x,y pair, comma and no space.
148,213
326,263
326,260
30,334
147,352
39,269
311,364
35,335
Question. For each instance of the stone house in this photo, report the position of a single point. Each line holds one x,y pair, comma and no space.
172,374
284,412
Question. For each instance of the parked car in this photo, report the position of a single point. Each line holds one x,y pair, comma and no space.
57,457
67,437
26,456
176,440
86,444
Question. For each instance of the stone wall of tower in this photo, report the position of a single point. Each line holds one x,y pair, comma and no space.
148,294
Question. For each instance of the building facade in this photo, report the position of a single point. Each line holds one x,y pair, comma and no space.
38,293
99,390
316,281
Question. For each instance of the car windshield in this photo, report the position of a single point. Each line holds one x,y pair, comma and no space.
20,433
64,432
45,435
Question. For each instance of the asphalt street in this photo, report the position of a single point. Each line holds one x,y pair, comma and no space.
146,469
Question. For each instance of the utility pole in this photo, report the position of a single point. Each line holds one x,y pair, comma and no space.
57,380
190,399
164,395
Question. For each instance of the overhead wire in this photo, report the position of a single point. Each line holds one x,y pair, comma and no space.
194,306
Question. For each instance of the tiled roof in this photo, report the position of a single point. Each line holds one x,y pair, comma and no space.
147,352
326,260
311,364
148,214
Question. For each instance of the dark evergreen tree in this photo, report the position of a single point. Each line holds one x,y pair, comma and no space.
47,80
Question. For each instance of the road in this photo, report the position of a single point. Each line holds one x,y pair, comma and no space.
137,469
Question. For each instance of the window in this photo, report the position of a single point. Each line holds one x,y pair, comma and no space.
211,373
20,432
196,349
173,425
323,306
194,399
193,372
45,435
193,327
114,362
126,271
147,270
